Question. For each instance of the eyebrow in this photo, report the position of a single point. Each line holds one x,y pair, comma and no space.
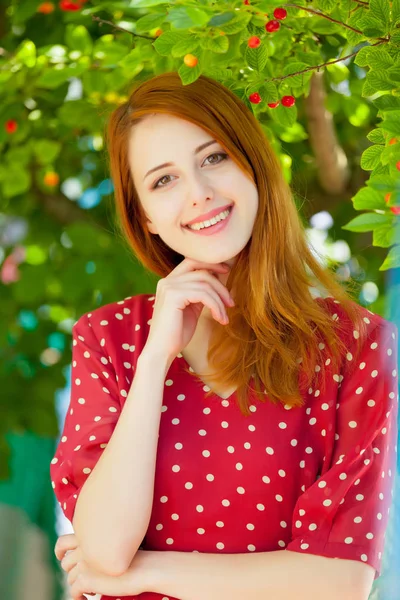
170,164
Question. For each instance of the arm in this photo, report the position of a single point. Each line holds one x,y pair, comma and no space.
114,506
278,575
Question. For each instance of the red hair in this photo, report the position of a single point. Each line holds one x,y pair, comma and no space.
276,323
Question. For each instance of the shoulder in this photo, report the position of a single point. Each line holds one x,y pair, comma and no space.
372,320
132,312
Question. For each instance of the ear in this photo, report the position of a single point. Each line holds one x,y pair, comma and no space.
151,227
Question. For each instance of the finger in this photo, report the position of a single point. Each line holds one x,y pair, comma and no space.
64,543
70,559
189,264
210,298
217,285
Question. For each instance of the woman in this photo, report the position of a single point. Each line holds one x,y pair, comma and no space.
250,406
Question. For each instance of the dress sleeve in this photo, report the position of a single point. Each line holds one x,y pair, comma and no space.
344,513
91,417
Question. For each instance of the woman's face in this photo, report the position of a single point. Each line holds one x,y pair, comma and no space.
194,184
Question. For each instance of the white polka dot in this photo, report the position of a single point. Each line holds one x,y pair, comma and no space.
240,490
279,498
371,402
352,424
86,470
357,519
348,540
269,450
304,546
359,497
327,502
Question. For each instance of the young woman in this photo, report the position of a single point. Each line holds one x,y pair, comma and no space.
233,435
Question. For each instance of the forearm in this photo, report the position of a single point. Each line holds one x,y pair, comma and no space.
114,507
278,575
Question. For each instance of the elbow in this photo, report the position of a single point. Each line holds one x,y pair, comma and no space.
106,565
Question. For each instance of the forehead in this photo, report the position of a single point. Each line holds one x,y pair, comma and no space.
160,138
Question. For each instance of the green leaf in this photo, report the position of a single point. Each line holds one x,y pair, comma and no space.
383,183
376,82
269,92
283,115
380,10
189,74
362,56
371,27
370,157
376,136
183,18
184,46
145,3
368,199
77,38
391,155
380,59
297,80
46,151
218,44
165,42
387,102
16,180
237,24
326,6
150,21
392,261
367,222
391,125
78,113
257,58
383,237
94,81
26,53
395,12
221,19
108,51
52,78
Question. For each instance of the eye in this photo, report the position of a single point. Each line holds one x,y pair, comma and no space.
223,156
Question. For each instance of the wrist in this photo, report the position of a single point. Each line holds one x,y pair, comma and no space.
152,356
155,567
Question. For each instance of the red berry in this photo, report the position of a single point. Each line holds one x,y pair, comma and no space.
398,165
387,197
395,210
254,42
288,101
272,26
280,13
255,98
66,5
11,126
246,2
273,104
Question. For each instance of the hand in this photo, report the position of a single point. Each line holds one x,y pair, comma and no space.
180,298
83,579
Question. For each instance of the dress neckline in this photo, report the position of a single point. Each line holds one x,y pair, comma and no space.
200,382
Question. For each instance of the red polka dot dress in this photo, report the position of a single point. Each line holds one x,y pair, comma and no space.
316,479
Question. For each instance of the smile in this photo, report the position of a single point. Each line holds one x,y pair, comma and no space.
210,228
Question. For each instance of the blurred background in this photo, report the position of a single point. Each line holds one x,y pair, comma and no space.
63,67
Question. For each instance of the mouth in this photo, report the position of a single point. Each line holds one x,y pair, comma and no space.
219,226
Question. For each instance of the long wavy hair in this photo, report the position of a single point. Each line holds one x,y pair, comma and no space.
277,329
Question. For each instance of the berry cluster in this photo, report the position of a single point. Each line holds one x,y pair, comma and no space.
287,101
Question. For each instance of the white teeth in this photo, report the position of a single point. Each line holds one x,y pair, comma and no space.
212,221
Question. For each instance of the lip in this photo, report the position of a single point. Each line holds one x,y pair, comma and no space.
209,215
214,229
